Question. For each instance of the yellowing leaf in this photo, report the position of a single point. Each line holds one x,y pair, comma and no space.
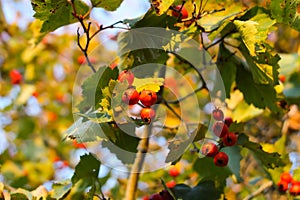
148,84
162,6
26,92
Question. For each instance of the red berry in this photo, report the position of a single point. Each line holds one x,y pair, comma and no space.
218,114
148,97
171,184
286,176
184,12
230,139
147,114
78,145
295,189
209,149
220,129
221,159
145,198
282,78
174,172
126,75
15,76
282,186
130,96
156,197
228,121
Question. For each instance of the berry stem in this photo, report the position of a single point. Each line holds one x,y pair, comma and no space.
138,165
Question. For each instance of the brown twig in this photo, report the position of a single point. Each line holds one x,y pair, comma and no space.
259,190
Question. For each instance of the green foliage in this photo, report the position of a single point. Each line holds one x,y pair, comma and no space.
205,190
60,189
110,5
87,169
269,160
55,14
286,11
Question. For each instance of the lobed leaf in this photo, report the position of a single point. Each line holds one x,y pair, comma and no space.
57,13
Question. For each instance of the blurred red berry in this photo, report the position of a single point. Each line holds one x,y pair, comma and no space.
282,78
130,96
221,159
286,176
15,76
228,121
229,139
78,145
218,114
295,189
184,12
174,171
282,186
171,184
126,75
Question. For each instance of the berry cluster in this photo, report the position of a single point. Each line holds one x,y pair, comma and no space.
287,182
131,97
220,129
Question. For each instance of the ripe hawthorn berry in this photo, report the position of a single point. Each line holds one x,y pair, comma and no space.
282,78
184,12
228,121
126,75
229,139
286,176
282,186
220,129
221,159
15,76
218,114
174,172
147,114
295,189
130,96
148,97
209,149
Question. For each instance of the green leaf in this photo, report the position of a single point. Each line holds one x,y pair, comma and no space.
110,5
57,13
261,96
85,131
214,21
21,194
87,169
60,189
286,11
123,145
205,189
200,132
98,117
236,127
215,173
227,64
234,154
94,85
269,160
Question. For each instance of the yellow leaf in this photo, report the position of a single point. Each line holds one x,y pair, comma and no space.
152,84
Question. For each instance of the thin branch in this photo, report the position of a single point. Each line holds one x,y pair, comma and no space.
138,165
185,97
218,41
259,190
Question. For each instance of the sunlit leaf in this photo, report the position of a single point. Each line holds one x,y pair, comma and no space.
162,6
148,84
60,189
110,5
55,14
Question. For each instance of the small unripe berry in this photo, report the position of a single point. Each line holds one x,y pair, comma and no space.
229,139
209,149
218,114
130,96
220,129
126,75
147,114
221,159
148,97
